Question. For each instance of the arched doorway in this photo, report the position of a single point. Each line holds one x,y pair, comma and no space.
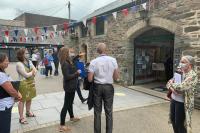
152,36
153,56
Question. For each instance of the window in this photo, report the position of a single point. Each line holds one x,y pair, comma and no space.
99,26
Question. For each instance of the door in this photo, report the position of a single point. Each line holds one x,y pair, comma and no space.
144,57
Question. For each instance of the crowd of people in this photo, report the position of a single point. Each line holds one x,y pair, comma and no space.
100,74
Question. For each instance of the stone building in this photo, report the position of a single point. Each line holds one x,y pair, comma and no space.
143,40
147,44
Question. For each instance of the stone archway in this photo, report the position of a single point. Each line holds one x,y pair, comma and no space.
141,27
162,23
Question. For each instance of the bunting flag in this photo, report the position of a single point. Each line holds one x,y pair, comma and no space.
36,30
7,39
85,22
103,17
45,29
60,33
94,20
55,27
134,9
23,36
26,39
26,32
42,38
21,39
144,6
16,32
114,15
6,33
125,12
4,46
52,35
65,25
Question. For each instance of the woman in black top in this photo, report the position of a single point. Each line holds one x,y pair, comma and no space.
70,78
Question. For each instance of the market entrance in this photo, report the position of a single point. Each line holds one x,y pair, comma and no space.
153,56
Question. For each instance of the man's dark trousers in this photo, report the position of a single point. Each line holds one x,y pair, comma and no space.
105,93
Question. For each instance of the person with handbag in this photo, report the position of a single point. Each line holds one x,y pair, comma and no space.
70,78
26,72
7,95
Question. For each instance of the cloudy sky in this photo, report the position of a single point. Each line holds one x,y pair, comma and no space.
9,9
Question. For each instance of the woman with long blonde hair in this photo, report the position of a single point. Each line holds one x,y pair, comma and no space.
70,78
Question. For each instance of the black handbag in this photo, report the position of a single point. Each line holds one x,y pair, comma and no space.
4,94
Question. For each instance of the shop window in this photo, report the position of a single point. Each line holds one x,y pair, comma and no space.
99,26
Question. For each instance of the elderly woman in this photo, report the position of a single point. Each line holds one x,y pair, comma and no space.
70,78
182,103
7,95
26,72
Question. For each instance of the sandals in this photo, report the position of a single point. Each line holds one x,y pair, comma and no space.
29,114
23,121
64,129
75,119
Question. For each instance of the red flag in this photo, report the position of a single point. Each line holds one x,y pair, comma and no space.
6,32
24,39
3,45
52,35
21,39
94,20
36,30
125,12
66,25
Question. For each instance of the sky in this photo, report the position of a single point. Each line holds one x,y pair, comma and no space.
10,9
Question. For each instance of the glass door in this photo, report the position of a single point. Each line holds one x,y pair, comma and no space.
144,57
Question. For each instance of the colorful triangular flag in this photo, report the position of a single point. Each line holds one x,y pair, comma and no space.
26,32
144,5
55,27
114,15
16,32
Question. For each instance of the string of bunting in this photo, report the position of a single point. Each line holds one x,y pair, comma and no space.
125,12
34,34
4,37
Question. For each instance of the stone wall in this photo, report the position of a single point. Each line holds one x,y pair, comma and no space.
182,18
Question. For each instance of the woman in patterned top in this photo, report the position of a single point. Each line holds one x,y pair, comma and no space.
181,112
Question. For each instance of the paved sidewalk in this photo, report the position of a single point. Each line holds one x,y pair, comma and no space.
47,107
148,119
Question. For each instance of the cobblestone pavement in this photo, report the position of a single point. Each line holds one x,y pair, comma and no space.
149,119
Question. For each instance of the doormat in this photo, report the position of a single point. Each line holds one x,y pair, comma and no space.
160,89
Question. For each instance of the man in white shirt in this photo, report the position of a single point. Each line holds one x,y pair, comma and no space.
103,70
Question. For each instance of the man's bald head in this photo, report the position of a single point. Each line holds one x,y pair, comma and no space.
101,48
